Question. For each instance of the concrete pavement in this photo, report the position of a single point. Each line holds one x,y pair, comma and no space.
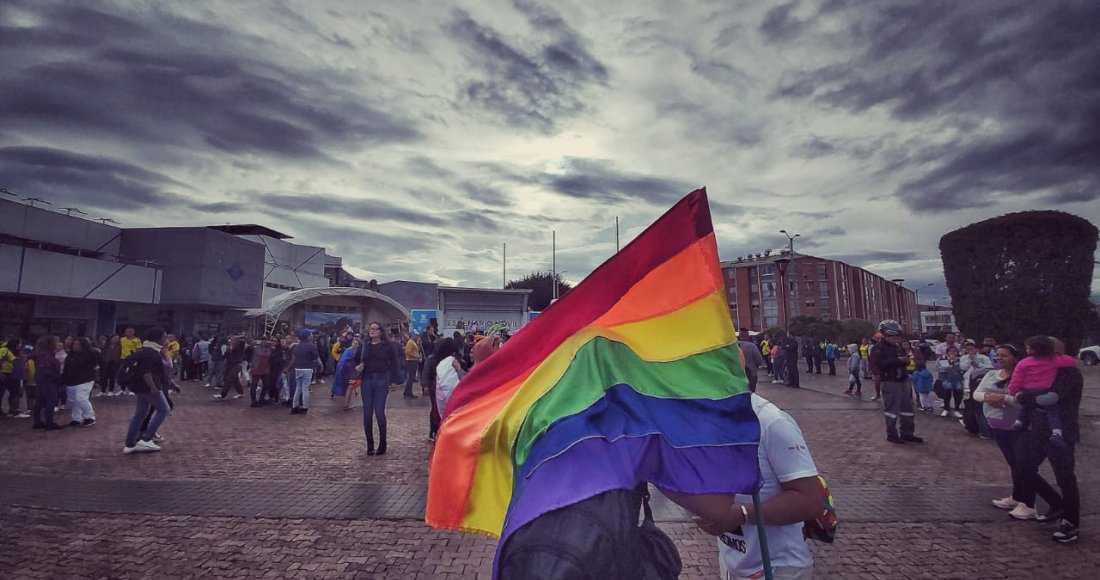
259,493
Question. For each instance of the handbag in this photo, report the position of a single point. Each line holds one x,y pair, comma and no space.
937,387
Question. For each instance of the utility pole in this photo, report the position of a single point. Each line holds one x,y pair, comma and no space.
504,268
616,234
554,262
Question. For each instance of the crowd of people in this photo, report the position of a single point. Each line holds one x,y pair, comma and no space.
1026,398
54,376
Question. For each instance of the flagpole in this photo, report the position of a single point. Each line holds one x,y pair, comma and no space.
504,268
616,234
765,556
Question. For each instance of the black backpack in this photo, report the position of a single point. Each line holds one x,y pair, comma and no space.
128,374
598,538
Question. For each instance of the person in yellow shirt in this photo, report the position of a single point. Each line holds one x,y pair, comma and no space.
131,343
766,350
412,363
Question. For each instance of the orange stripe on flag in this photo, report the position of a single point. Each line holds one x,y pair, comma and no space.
682,280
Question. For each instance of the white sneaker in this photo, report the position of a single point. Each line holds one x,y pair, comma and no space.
144,445
98,395
1005,503
217,396
237,396
945,413
129,450
958,415
206,386
1022,512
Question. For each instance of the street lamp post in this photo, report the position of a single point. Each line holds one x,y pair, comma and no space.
790,240
781,267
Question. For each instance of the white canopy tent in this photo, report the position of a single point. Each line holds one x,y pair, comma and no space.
375,306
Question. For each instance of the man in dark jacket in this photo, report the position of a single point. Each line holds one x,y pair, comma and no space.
1035,447
891,364
790,350
148,381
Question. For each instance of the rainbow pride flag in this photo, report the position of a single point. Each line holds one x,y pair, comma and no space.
634,375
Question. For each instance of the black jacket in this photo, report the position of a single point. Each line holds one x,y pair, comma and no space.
377,358
884,356
79,368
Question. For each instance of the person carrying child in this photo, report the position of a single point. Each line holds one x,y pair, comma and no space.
1035,374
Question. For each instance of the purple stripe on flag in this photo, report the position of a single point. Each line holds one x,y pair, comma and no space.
594,466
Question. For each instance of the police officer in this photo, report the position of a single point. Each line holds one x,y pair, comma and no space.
892,366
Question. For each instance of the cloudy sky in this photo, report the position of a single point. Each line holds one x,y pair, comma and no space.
415,138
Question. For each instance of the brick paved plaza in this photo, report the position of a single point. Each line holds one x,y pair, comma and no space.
259,493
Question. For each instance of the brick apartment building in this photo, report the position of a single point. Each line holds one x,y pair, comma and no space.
819,287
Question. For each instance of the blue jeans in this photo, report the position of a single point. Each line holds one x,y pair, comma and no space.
376,387
410,372
143,402
302,378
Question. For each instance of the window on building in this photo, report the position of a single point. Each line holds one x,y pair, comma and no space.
767,269
769,289
822,271
770,321
823,287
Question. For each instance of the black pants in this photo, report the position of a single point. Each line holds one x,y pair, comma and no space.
108,376
232,380
832,367
10,385
768,364
45,400
817,363
263,382
956,394
792,372
1006,440
809,363
433,418
897,407
1031,450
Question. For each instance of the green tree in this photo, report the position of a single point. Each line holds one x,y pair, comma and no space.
853,330
1021,274
803,325
542,285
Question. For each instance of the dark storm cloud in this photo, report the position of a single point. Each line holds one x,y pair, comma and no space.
532,82
814,148
89,181
356,210
878,256
597,180
779,25
1017,80
221,207
116,77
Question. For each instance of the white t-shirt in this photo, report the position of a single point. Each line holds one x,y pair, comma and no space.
783,457
446,379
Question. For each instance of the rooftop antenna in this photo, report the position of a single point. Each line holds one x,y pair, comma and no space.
34,199
5,191
105,221
69,211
